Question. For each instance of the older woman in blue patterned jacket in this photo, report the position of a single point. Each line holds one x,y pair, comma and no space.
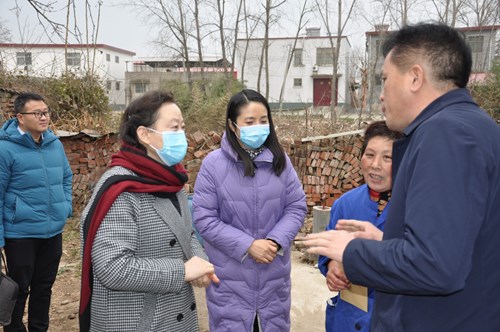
140,257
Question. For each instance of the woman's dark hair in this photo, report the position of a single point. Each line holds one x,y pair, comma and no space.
142,111
233,111
379,128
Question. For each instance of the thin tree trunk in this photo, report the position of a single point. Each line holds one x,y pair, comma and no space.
292,53
236,29
198,40
221,11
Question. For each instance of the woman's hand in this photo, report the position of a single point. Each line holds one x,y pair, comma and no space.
201,282
360,229
263,251
336,279
198,270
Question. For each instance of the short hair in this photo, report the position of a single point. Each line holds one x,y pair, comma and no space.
234,106
23,98
379,129
142,111
444,48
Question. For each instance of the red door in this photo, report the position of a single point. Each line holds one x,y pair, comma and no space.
322,92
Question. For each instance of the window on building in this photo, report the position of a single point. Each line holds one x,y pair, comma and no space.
117,85
117,59
297,57
108,85
297,82
73,59
476,43
108,57
324,56
23,58
141,87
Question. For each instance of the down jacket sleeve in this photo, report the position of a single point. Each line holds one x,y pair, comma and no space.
68,184
230,240
4,181
295,210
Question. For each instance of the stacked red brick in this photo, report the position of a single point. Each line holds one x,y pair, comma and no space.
199,145
327,167
88,157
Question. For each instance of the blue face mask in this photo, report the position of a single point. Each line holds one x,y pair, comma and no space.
254,136
174,146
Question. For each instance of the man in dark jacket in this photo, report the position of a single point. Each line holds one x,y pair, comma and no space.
35,200
438,265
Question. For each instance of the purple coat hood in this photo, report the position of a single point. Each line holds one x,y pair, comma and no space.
230,212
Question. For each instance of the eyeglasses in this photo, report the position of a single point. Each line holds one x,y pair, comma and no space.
38,115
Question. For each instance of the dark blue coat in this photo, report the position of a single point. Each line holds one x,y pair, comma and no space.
438,267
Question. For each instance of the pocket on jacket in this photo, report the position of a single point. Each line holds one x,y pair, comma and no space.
23,211
343,316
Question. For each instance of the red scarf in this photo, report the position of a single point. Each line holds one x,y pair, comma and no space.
153,178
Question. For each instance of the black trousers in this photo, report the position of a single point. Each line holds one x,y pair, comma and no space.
33,264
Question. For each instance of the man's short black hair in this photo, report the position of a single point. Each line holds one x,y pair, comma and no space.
23,98
444,48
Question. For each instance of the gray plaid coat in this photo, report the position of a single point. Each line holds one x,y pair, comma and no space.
138,259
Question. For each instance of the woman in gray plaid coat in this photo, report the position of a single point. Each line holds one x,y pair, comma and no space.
140,257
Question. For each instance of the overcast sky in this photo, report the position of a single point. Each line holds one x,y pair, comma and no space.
121,27
118,26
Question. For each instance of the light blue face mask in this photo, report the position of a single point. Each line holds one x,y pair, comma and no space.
254,136
174,146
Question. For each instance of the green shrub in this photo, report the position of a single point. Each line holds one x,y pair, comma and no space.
204,108
76,103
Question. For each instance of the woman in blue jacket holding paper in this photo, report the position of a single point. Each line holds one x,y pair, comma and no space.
368,202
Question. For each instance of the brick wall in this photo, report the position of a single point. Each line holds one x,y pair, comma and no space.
327,167
88,157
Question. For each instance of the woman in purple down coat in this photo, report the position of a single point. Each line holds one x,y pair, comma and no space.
248,206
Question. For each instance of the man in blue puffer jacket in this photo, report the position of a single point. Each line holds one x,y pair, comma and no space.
35,201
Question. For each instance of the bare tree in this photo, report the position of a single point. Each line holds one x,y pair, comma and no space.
199,39
221,8
482,12
399,10
300,26
403,6
43,11
172,18
251,24
448,11
236,30
91,37
5,33
381,14
269,7
323,9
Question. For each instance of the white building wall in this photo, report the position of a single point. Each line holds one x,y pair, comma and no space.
279,52
50,61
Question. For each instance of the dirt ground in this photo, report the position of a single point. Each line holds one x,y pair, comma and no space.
309,293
